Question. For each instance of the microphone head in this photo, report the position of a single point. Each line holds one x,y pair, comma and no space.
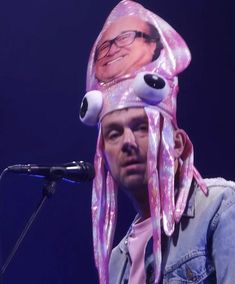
76,171
87,170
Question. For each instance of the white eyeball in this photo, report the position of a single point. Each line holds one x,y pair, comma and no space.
150,87
90,107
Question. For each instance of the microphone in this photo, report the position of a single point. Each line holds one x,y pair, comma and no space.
76,171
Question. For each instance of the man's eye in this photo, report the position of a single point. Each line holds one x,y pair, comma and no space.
103,46
143,127
112,135
123,37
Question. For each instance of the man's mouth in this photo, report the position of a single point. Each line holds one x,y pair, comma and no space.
132,162
113,60
134,168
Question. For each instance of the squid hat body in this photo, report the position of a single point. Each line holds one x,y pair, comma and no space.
152,85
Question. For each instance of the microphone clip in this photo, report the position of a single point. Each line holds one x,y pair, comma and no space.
49,186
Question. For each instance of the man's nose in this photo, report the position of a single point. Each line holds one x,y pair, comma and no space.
129,140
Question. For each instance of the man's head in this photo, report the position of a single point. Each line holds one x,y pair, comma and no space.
128,44
125,138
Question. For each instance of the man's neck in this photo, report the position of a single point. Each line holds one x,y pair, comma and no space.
140,201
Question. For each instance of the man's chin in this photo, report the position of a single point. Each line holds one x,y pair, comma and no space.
112,73
134,182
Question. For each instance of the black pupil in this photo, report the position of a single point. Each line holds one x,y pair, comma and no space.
154,81
83,108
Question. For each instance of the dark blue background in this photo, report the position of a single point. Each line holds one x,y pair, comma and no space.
44,48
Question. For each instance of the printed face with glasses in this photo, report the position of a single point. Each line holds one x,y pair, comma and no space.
124,47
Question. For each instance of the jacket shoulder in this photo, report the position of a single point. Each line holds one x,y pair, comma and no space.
219,182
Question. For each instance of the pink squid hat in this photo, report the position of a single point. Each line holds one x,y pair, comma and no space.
153,87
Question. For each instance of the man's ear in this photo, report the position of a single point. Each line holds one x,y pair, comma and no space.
180,138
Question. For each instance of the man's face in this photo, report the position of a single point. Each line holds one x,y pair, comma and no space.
125,136
126,59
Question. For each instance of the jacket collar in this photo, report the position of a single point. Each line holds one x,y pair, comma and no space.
188,212
190,206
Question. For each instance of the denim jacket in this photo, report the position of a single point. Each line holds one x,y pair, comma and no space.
202,247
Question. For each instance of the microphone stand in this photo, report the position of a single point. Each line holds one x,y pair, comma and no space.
48,190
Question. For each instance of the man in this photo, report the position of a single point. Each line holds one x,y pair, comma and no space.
183,227
125,137
127,44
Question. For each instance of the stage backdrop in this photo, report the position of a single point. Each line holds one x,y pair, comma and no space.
44,49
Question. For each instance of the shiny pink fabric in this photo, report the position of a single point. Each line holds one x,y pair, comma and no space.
154,187
161,185
118,94
103,213
174,58
185,179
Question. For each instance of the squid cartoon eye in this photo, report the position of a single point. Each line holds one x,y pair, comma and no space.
151,87
90,107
